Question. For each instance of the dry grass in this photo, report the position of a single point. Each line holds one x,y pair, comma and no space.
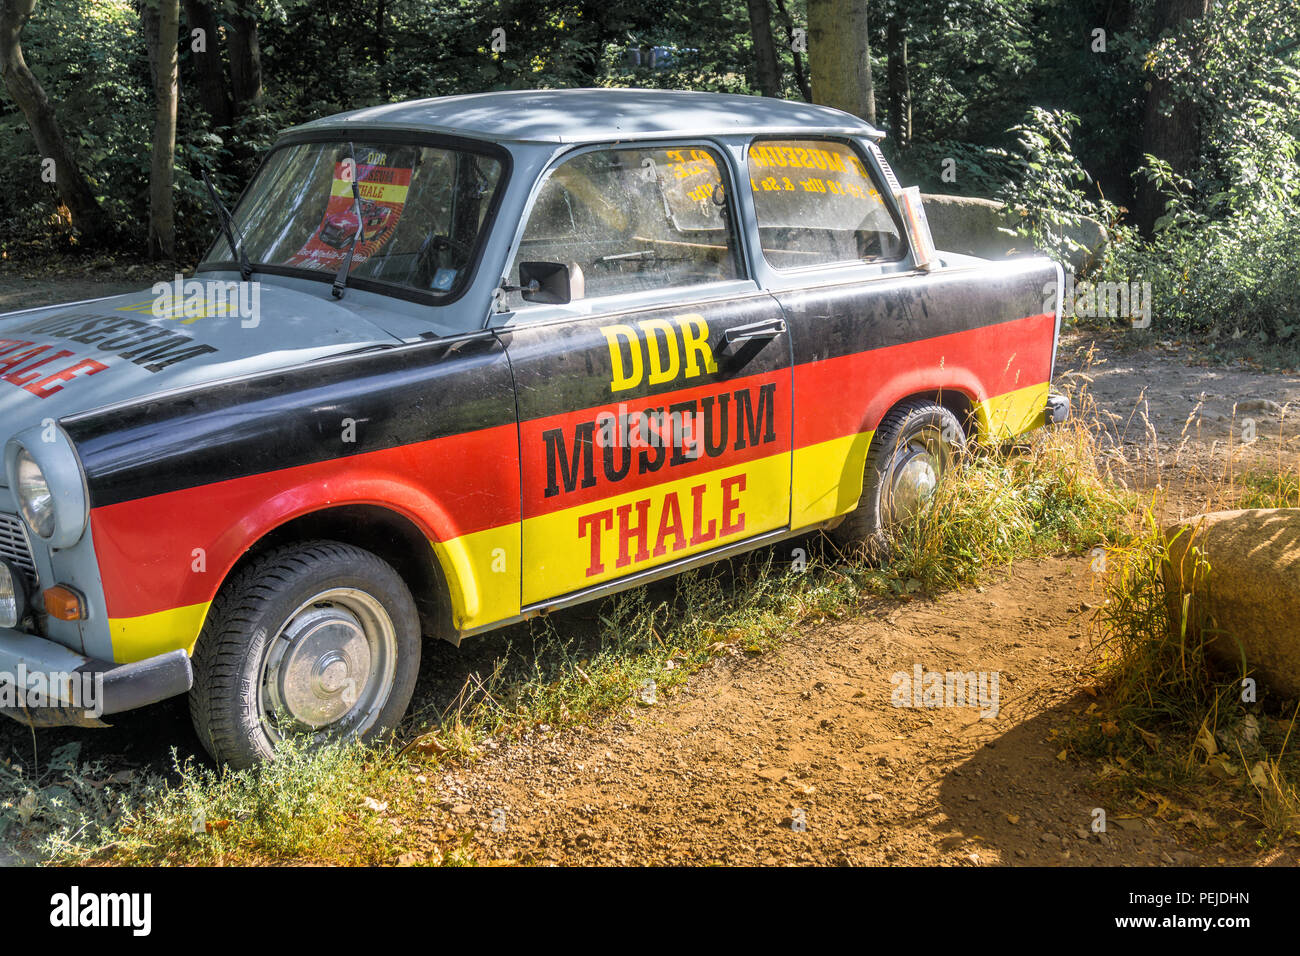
1173,719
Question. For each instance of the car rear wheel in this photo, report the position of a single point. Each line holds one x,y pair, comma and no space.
319,641
916,443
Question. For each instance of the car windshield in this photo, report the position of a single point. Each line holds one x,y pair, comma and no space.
417,223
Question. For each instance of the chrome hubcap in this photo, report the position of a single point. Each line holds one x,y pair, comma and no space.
914,482
331,666
918,467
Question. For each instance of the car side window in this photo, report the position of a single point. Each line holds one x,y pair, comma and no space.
631,220
816,204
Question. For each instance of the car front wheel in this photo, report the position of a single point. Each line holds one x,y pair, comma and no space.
319,641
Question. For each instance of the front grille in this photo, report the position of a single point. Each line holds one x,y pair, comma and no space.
15,547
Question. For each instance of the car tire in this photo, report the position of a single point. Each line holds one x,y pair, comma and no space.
320,640
914,445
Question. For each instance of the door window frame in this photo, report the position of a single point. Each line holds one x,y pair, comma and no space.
744,283
883,188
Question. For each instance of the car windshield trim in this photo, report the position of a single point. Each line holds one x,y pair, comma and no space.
383,136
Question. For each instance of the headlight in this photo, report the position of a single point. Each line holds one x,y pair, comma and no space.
47,484
34,495
13,595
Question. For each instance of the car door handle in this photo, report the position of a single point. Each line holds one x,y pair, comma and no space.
767,329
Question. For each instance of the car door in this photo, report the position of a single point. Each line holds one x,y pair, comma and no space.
654,405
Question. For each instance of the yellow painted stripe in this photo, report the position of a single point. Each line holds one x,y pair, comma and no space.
482,574
828,478
1012,413
135,638
481,569
559,557
381,192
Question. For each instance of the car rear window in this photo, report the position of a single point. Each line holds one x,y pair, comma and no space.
631,220
816,204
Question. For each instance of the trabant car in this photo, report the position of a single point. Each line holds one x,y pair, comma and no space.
603,336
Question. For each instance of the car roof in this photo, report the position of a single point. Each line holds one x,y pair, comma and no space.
592,115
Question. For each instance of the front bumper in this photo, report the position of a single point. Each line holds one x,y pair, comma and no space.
44,684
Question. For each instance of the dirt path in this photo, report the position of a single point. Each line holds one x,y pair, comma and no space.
729,770
18,291
800,757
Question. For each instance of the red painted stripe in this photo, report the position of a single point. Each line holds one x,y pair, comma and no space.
846,395
145,547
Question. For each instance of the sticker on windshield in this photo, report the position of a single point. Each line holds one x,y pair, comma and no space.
383,195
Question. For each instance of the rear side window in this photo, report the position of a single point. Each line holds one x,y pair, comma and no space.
816,204
631,220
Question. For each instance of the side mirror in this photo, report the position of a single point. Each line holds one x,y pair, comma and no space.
544,282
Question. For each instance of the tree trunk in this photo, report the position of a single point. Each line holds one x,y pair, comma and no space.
605,23
209,71
839,54
1170,124
245,57
766,66
381,45
74,192
800,78
162,28
900,84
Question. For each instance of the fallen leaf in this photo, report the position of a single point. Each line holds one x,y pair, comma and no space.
426,744
1259,775
1205,740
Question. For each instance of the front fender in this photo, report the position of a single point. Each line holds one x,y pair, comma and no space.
162,559
182,485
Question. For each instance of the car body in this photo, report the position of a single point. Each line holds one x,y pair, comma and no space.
647,330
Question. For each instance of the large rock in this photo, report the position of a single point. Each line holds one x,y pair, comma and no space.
1248,598
973,227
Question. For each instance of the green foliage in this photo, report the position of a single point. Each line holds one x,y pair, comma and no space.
305,806
88,57
1225,253
981,170
1173,718
1046,497
1047,191
1036,102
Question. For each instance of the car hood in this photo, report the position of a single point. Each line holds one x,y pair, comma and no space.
64,359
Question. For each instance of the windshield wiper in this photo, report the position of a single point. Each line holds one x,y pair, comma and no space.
227,222
341,279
